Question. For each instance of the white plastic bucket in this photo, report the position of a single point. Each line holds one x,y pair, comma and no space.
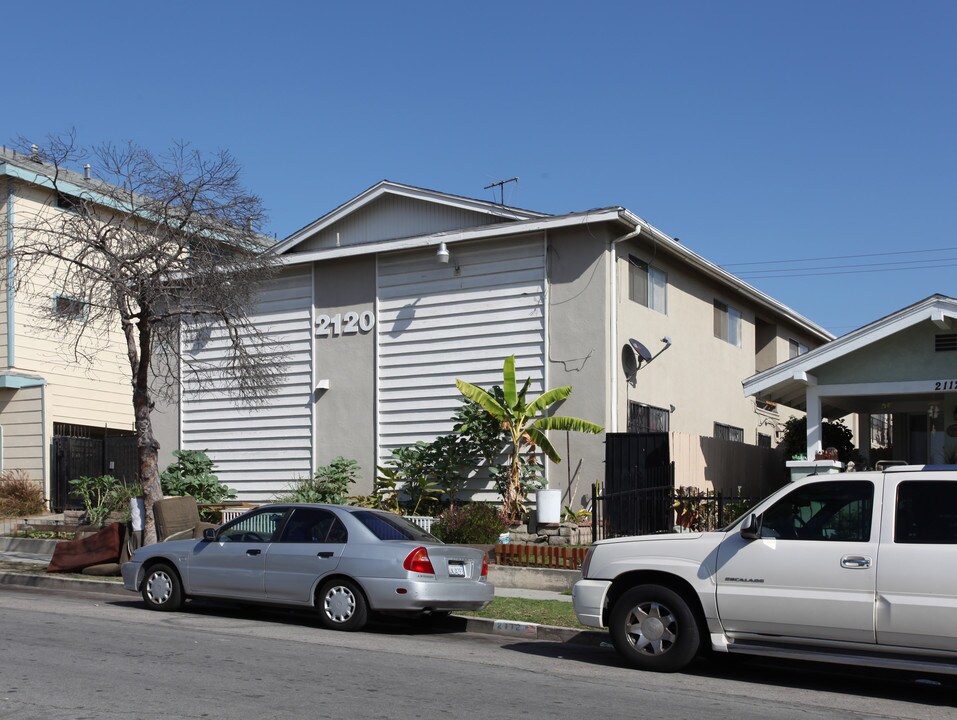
548,505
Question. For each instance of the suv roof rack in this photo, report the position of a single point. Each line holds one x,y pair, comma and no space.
920,468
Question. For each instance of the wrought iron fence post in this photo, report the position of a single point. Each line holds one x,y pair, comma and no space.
720,520
594,512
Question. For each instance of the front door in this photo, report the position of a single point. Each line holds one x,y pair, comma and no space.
812,573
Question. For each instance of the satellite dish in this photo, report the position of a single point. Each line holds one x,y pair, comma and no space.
643,353
629,363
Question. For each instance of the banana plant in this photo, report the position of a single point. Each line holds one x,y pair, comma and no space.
524,423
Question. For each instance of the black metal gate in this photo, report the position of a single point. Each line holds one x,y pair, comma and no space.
639,486
75,457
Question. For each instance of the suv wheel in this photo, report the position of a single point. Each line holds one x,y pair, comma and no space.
653,628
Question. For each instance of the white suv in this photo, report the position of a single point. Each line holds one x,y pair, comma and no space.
857,568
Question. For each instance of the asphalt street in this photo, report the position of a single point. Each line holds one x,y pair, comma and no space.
74,655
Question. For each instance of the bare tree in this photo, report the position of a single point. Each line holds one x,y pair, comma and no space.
164,248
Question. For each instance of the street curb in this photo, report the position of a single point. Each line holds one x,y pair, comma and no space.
60,583
531,631
460,623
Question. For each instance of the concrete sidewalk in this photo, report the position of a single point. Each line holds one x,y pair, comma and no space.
548,585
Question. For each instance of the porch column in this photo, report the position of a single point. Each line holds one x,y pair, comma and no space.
864,430
814,435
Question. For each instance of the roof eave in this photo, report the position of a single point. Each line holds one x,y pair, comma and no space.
386,186
519,227
935,308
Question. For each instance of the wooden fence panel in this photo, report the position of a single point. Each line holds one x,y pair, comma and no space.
560,557
732,468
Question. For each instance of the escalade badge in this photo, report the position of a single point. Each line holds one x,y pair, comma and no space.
744,580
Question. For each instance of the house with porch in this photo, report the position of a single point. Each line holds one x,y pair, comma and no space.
901,368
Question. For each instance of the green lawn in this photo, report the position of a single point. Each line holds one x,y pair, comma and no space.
544,612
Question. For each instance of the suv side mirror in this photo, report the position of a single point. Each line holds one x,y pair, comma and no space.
209,534
751,527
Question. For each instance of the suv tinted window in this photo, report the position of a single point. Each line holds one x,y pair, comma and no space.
840,511
926,512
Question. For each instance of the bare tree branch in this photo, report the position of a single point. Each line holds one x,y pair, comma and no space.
164,248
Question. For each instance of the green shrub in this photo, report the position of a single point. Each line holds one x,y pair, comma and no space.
101,495
192,474
469,524
329,484
19,495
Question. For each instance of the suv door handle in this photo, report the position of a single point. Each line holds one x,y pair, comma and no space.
855,562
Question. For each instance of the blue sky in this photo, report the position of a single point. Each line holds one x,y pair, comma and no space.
753,131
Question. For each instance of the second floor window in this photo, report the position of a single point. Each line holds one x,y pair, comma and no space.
65,306
647,285
795,348
727,323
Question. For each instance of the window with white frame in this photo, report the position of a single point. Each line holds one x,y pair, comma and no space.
648,285
795,348
728,432
727,323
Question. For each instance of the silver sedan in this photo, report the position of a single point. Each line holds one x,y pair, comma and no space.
344,561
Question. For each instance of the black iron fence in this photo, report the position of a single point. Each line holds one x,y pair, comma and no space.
75,457
663,509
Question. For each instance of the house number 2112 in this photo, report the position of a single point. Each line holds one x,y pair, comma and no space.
350,323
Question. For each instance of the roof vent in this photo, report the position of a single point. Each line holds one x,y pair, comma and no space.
945,343
86,171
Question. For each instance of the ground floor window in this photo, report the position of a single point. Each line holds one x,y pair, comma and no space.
647,418
728,432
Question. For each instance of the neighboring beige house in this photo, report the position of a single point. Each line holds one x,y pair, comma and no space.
49,386
392,296
902,366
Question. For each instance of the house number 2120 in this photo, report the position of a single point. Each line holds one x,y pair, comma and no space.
350,323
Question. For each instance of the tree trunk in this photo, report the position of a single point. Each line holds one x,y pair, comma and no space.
147,449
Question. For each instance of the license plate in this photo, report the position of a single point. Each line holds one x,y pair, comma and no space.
456,569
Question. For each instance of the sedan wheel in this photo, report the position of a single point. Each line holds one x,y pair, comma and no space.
342,606
654,629
162,589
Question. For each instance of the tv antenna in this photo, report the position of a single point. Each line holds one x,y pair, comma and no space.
501,184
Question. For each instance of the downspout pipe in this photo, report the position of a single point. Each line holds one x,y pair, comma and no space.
11,330
613,314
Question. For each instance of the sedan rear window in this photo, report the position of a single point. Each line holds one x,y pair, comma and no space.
392,527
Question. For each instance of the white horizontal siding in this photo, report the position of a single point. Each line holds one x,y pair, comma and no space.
436,324
257,450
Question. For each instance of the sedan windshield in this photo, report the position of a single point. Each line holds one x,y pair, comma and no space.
392,527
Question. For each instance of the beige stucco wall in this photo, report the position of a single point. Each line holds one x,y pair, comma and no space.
907,355
577,349
344,417
700,374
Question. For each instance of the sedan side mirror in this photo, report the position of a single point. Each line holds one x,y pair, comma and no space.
209,534
751,527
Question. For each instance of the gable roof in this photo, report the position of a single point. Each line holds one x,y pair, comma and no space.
518,222
387,187
790,378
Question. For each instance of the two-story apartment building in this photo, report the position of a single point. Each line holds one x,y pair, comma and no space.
49,386
386,300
